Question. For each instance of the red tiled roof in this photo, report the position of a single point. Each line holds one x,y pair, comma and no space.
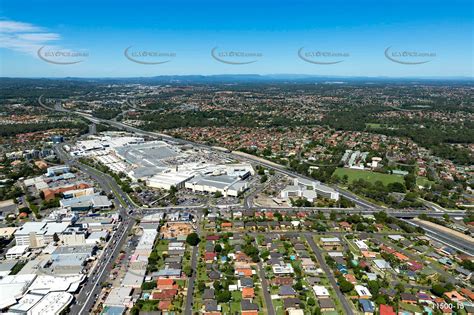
386,310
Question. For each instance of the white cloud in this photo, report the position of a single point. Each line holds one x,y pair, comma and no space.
24,37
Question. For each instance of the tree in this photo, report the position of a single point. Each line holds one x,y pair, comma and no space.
218,248
223,296
201,286
298,286
396,187
193,239
56,238
438,289
410,181
217,194
188,270
345,285
148,285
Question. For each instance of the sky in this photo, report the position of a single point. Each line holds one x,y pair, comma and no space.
334,38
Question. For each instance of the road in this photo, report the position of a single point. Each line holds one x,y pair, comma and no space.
188,309
447,239
91,289
341,297
265,289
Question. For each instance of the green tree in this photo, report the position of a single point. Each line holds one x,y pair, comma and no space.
193,239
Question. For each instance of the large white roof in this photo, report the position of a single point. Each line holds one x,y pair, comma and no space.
44,284
52,303
12,287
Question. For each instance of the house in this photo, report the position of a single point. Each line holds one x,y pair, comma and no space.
214,275
313,280
424,298
469,309
244,283
211,306
278,281
248,293
164,305
320,291
454,296
291,303
386,310
208,294
326,305
248,308
242,257
367,306
361,245
382,264
331,243
400,256
362,292
346,226
165,283
286,291
246,272
445,261
464,273
210,256
285,269
408,298
164,295
226,225
351,278
468,294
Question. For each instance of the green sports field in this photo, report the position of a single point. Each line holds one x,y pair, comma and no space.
368,176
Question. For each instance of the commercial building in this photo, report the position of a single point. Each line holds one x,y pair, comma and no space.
309,190
168,180
13,287
70,260
86,203
53,303
16,251
225,184
73,237
38,234
121,296
57,170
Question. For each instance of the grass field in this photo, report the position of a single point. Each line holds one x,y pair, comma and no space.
422,181
368,176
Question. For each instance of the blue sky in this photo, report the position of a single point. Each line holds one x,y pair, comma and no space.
276,30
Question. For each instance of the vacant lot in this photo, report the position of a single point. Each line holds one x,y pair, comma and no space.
368,176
